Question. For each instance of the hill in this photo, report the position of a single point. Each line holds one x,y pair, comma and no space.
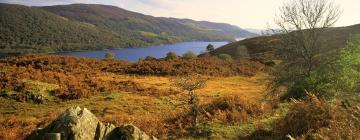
123,21
25,29
221,28
92,27
264,47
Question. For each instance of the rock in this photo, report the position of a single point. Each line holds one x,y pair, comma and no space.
129,132
80,124
74,124
102,131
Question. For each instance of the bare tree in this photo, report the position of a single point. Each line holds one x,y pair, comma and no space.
302,24
191,83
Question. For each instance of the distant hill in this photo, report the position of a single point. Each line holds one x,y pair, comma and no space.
263,47
123,21
91,27
256,31
25,29
221,28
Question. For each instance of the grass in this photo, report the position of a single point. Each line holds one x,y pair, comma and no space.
147,112
219,130
42,88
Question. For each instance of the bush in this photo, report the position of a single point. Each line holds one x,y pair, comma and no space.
314,117
171,56
150,58
333,79
189,55
232,109
225,57
109,56
210,48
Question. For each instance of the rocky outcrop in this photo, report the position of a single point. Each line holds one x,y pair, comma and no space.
80,124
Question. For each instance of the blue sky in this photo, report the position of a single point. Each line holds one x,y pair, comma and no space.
244,13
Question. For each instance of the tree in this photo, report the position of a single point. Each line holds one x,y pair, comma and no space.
302,24
210,47
109,56
171,55
189,55
191,83
348,65
343,75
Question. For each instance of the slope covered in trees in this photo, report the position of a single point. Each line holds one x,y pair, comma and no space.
92,27
25,29
123,21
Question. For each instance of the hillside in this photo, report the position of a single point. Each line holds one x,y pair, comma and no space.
221,28
93,27
264,47
123,21
25,29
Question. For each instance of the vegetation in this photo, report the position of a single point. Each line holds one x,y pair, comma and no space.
189,55
210,48
77,78
313,118
225,57
109,56
266,48
191,83
171,56
303,22
116,96
31,30
219,95
93,27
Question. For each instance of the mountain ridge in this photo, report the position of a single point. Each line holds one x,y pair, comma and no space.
79,27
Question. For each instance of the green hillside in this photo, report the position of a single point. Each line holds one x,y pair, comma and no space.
264,47
127,22
92,27
24,29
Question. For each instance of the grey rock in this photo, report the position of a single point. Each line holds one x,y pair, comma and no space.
103,130
80,124
128,132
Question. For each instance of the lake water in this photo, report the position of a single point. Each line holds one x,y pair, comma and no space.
134,54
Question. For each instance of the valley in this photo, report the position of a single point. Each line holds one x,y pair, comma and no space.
95,70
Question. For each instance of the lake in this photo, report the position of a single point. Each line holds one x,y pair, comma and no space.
134,54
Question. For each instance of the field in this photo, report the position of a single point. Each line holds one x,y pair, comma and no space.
147,112
115,92
234,104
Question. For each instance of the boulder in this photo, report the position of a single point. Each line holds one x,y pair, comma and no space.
80,124
128,132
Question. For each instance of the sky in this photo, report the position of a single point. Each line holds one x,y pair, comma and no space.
256,14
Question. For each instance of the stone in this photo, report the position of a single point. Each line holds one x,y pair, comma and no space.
80,124
129,132
103,130
74,124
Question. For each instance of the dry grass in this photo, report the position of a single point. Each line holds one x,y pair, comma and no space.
145,111
314,118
